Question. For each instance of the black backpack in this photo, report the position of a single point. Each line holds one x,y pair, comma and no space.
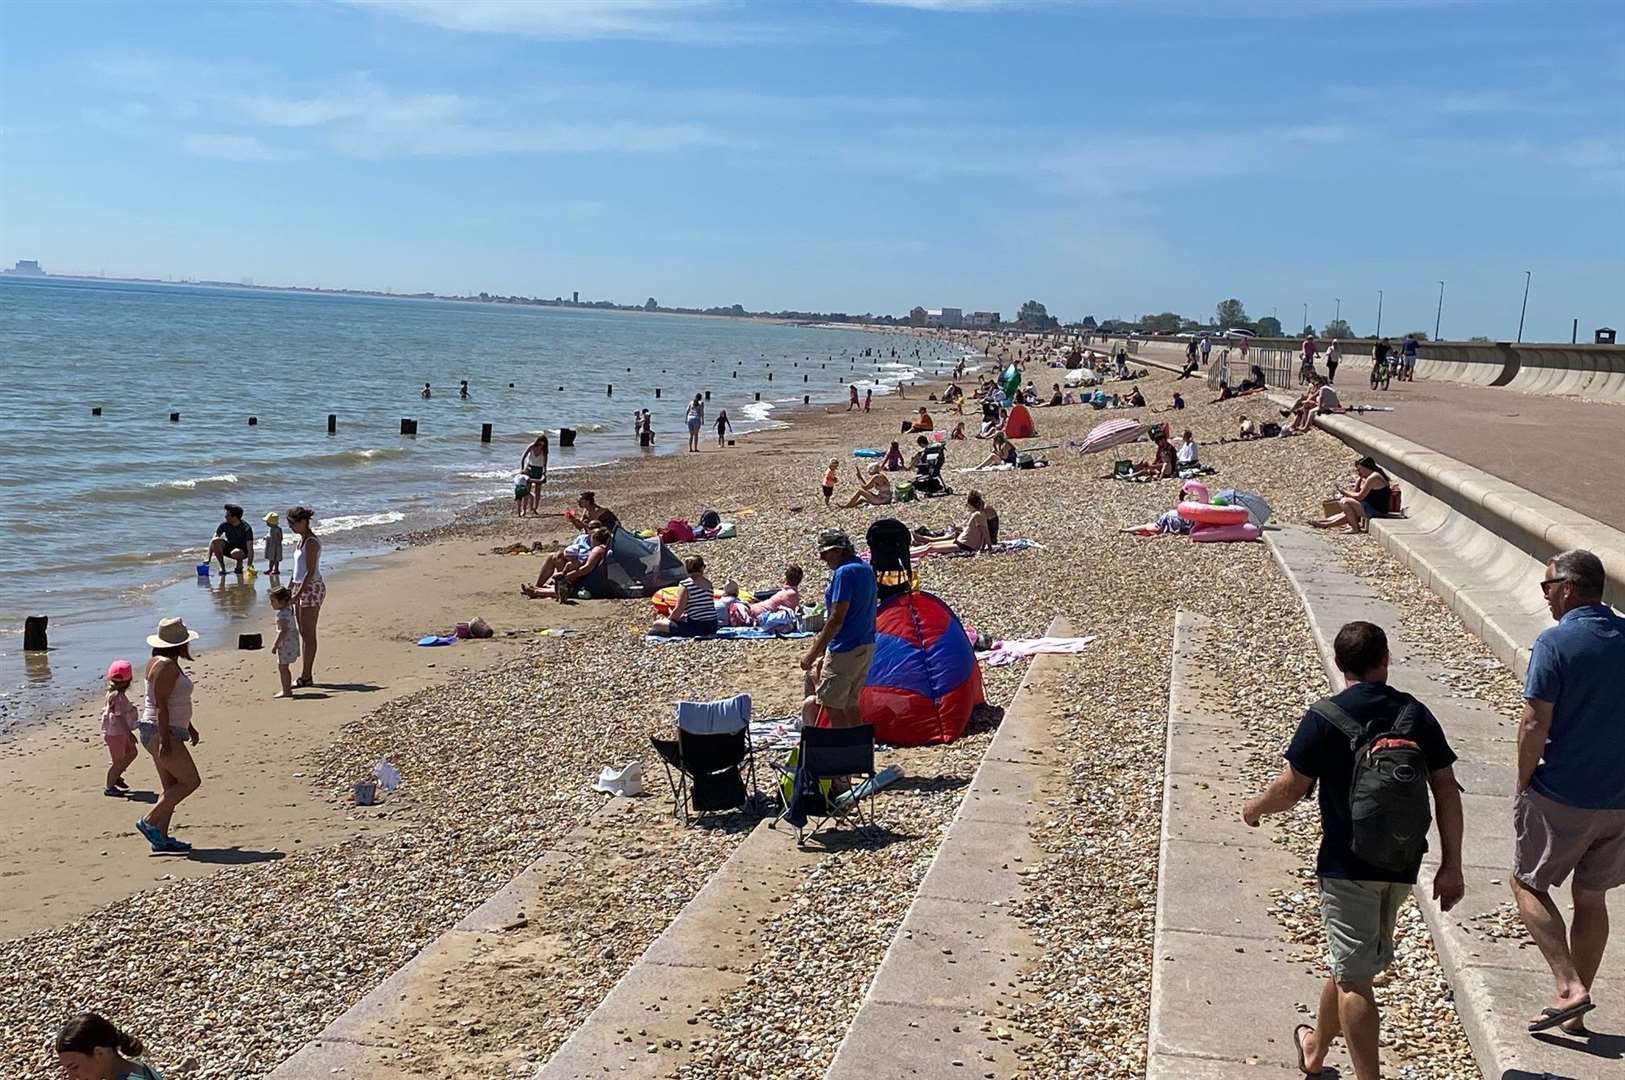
1388,795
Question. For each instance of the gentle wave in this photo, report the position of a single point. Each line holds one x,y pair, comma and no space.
758,410
346,522
220,482
347,457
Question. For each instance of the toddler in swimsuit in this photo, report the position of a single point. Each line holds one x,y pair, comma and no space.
831,475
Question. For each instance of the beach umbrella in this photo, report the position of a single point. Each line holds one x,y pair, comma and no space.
1257,509
1111,433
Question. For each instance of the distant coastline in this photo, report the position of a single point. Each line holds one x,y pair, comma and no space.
735,311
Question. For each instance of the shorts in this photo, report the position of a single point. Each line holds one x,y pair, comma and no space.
1359,918
535,472
1554,840
148,734
120,742
694,426
685,628
312,595
843,677
828,490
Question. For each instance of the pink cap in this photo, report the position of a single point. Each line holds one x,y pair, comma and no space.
121,671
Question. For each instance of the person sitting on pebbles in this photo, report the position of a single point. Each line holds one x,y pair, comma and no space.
1004,452
979,533
922,421
1164,464
695,613
570,569
873,489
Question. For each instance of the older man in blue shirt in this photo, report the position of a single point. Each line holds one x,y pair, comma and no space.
1569,814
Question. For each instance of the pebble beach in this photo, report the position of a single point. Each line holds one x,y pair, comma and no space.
226,973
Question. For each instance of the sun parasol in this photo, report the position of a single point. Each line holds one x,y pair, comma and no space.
1111,433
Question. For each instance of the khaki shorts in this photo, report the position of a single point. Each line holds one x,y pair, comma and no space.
1555,840
843,677
1359,918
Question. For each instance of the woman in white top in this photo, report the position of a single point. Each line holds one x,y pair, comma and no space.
1188,451
307,587
165,727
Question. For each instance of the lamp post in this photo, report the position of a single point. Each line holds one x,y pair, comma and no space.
1306,316
1438,314
1525,310
1339,316
1379,314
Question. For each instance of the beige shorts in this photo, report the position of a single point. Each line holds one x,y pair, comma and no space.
843,677
1359,918
1555,840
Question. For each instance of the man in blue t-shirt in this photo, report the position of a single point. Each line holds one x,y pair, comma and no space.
845,647
1359,902
1569,813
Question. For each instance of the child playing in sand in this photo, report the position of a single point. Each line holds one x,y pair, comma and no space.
118,727
273,544
286,645
831,475
521,494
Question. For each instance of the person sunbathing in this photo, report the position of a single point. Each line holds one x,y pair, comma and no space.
1055,396
1004,452
922,421
1164,464
873,489
976,535
787,596
570,569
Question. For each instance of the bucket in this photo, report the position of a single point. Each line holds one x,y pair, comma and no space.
250,573
202,569
366,792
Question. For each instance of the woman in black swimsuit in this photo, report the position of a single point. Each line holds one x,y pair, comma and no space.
1368,499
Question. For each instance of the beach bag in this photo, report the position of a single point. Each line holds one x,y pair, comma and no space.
1388,796
1026,461
811,618
1394,497
710,519
676,531
727,531
1122,468
904,490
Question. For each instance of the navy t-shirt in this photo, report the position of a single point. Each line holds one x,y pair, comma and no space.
1579,666
854,582
1323,753
238,537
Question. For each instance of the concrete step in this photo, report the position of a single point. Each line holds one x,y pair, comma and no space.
655,1014
934,1005
1225,991
1498,984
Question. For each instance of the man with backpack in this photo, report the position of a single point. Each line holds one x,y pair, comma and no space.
1377,753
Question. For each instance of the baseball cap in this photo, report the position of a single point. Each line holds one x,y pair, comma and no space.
832,540
121,671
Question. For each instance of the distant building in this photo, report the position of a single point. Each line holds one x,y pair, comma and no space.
949,317
575,298
916,317
982,319
26,268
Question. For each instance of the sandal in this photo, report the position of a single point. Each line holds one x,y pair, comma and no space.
1550,1018
1297,1044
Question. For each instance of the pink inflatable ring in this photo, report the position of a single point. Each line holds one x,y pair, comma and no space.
1203,514
1218,534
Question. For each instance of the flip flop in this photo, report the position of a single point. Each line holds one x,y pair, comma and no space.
1297,1044
1550,1018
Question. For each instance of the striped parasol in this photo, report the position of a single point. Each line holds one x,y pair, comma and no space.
1111,433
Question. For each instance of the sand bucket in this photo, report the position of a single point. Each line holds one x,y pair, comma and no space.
202,569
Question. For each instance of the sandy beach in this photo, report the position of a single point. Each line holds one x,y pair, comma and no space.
296,903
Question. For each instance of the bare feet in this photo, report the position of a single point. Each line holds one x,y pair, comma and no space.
283,694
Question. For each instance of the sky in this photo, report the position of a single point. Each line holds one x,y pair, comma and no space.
1106,158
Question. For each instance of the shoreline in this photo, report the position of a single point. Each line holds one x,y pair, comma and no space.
39,685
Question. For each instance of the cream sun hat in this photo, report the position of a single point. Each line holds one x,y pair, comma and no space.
172,632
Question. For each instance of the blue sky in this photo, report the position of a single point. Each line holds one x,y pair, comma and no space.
1107,158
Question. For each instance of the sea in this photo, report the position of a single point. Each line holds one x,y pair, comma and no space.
105,517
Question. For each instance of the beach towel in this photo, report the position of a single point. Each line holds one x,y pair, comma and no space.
730,633
1007,652
722,717
438,639
997,549
776,733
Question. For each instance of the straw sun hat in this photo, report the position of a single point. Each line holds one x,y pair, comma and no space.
172,632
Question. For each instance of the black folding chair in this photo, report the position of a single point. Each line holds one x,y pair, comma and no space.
829,754
710,765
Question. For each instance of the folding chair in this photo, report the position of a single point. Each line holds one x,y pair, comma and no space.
828,754
710,765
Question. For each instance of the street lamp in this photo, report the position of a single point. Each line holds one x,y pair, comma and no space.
1339,316
1439,313
1379,313
1306,316
1525,309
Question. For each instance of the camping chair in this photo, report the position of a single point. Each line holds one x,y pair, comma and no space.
928,474
827,754
710,765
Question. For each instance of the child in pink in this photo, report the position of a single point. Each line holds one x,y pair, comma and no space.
118,727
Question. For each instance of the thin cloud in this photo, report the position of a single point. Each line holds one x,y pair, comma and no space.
234,148
559,19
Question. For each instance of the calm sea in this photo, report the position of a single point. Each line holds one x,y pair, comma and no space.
103,518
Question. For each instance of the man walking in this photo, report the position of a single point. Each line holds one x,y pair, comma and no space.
1407,368
1382,747
1207,348
838,659
1569,812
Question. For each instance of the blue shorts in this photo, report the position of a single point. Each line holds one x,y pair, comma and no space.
685,628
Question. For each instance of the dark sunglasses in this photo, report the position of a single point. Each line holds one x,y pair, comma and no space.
1546,585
